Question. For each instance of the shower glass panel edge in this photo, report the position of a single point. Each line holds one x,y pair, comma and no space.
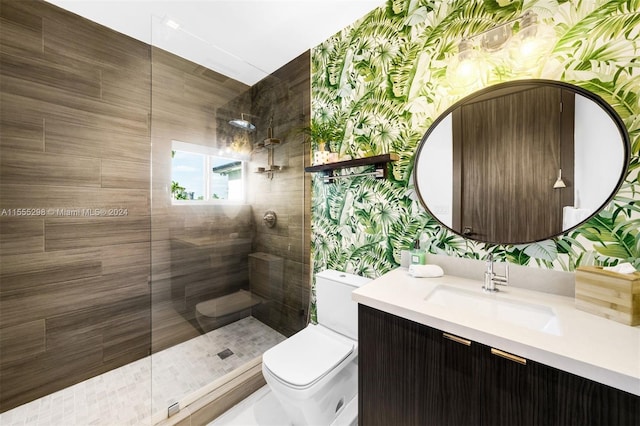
201,251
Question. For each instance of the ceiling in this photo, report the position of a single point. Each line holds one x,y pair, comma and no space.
242,39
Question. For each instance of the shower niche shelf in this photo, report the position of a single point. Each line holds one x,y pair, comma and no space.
269,144
272,169
380,162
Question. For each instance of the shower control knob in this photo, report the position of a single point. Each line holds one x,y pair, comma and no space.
270,219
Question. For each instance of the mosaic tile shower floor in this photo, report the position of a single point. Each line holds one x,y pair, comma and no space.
122,396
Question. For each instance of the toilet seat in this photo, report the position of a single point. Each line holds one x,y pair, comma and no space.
307,356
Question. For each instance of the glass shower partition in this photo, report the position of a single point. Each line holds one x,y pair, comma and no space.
225,286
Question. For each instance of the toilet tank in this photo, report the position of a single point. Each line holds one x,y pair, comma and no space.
334,306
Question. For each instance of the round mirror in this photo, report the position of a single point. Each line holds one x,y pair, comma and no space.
521,162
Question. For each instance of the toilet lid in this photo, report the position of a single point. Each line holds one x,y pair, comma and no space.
307,356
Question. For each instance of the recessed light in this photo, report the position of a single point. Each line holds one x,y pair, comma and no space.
172,24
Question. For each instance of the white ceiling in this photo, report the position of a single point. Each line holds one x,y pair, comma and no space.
242,39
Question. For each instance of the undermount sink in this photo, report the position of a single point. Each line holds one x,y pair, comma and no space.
523,314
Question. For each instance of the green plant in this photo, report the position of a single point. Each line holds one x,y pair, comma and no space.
178,192
322,132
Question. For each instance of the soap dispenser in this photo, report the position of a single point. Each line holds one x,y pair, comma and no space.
418,256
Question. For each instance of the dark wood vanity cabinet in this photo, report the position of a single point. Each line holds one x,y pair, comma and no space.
513,391
411,374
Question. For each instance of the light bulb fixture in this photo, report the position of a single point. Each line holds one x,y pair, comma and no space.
559,182
531,43
528,25
465,70
170,23
495,38
465,49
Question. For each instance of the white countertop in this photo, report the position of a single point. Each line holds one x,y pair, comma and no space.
586,345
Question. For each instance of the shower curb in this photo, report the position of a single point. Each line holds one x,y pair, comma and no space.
220,396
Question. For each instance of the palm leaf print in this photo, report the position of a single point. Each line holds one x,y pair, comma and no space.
383,81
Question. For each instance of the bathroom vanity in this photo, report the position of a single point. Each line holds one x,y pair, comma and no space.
440,351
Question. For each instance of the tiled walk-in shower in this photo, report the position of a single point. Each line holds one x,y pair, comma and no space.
137,392
112,260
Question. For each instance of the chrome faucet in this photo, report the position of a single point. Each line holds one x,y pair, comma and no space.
491,279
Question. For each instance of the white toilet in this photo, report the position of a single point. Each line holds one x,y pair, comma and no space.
314,373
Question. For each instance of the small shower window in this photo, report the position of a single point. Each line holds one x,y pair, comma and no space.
200,175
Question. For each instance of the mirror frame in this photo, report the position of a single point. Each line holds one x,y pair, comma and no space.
624,135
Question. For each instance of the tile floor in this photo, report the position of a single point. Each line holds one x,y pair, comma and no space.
131,394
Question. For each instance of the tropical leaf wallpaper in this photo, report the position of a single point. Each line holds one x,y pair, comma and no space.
382,82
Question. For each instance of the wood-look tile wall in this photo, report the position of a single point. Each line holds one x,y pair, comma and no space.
284,97
77,127
199,252
74,117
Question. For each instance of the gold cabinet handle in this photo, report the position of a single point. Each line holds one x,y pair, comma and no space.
457,339
510,357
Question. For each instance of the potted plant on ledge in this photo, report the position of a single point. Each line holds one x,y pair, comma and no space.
325,137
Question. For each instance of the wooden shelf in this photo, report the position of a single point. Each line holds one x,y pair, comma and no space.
380,161
376,159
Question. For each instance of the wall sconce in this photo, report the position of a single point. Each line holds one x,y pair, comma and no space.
523,37
494,39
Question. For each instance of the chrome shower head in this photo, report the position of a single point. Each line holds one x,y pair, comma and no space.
243,124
